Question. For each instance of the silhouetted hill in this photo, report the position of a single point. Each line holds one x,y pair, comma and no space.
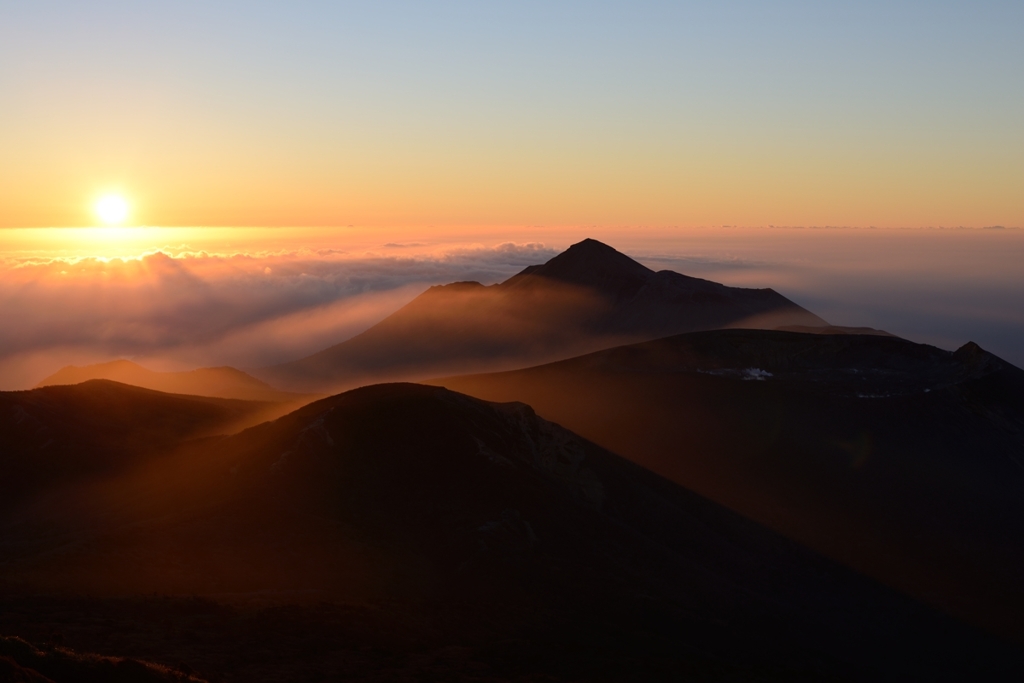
587,298
476,541
223,382
899,459
63,433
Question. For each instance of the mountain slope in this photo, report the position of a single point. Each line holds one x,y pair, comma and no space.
434,505
224,382
899,459
64,433
586,298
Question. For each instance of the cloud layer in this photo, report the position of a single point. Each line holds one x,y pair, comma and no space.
240,299
197,309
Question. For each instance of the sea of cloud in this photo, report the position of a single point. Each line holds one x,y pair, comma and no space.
181,308
937,286
190,309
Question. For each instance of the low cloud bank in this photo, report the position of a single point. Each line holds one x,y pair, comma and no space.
945,298
181,308
178,311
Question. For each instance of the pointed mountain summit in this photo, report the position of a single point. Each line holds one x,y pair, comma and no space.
589,264
587,298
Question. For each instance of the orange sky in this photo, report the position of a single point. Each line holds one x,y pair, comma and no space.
656,114
563,184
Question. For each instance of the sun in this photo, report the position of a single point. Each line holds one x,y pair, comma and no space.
111,209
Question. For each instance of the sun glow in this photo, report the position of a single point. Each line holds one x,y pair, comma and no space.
111,209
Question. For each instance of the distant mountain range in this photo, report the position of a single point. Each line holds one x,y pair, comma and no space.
223,382
898,459
556,555
586,298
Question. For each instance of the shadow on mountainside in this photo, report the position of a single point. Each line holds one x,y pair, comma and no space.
402,530
900,460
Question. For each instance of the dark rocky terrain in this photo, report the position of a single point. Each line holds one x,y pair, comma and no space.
404,532
586,298
901,460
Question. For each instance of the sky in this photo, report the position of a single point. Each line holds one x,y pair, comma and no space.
661,114
296,171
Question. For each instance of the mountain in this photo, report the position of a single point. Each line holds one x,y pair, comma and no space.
223,382
62,434
900,460
21,662
402,532
586,298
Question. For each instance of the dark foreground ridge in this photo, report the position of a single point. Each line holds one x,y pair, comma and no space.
900,460
404,531
586,298
65,434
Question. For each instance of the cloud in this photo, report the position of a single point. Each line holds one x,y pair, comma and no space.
966,287
183,307
188,309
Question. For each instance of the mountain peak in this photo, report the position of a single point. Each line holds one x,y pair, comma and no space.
590,264
592,256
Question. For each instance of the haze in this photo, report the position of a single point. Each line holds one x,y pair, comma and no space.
458,128
176,299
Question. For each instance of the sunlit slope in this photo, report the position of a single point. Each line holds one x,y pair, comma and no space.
899,459
587,298
223,382
422,498
62,434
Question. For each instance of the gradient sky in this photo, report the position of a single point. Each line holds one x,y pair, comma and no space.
558,113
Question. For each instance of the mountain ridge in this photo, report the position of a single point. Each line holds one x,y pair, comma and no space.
425,501
219,382
62,432
588,297
898,459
